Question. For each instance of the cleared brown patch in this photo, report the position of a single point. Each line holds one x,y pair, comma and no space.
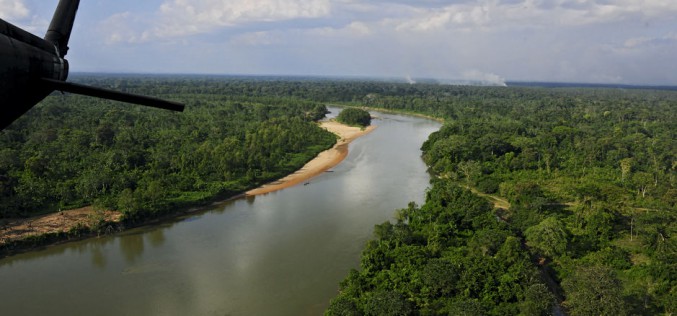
63,221
20,228
498,202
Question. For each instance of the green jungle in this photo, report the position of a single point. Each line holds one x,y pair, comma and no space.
354,117
544,200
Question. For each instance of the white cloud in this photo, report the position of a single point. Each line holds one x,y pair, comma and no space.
120,27
180,18
184,17
358,28
221,12
256,39
352,30
555,40
643,42
454,16
13,9
533,13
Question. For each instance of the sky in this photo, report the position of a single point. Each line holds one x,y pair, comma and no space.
590,41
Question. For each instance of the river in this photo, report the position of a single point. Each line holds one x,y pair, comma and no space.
283,253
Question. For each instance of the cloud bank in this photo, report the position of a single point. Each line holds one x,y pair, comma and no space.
625,41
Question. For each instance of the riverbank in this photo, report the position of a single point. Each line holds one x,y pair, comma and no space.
391,111
17,235
63,221
323,162
288,248
24,234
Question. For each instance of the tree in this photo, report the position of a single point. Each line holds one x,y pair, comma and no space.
470,169
470,307
537,300
626,167
354,116
642,181
440,277
342,306
594,290
387,303
526,194
549,236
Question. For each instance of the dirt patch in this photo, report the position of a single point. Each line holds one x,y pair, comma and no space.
63,221
498,202
16,229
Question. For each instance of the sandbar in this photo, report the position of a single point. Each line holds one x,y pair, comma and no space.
323,162
62,221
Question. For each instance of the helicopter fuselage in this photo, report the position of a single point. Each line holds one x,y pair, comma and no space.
25,60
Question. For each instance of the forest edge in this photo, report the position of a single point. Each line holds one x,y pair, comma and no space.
26,234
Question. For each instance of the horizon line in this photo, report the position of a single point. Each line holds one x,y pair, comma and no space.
400,79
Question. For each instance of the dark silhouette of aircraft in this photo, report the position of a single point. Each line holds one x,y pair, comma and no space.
31,68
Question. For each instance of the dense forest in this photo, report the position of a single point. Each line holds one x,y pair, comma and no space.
71,151
589,177
450,256
354,117
544,199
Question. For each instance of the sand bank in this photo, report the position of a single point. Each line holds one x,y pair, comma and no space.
323,162
17,229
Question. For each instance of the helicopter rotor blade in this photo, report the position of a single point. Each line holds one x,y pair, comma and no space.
113,95
59,31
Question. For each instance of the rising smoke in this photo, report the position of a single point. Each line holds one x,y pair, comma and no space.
485,79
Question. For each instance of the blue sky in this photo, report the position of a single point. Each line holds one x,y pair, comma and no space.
598,41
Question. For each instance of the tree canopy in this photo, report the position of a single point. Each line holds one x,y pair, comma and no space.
71,151
355,117
587,179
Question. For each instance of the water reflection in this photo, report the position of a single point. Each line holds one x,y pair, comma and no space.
98,258
132,247
156,237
